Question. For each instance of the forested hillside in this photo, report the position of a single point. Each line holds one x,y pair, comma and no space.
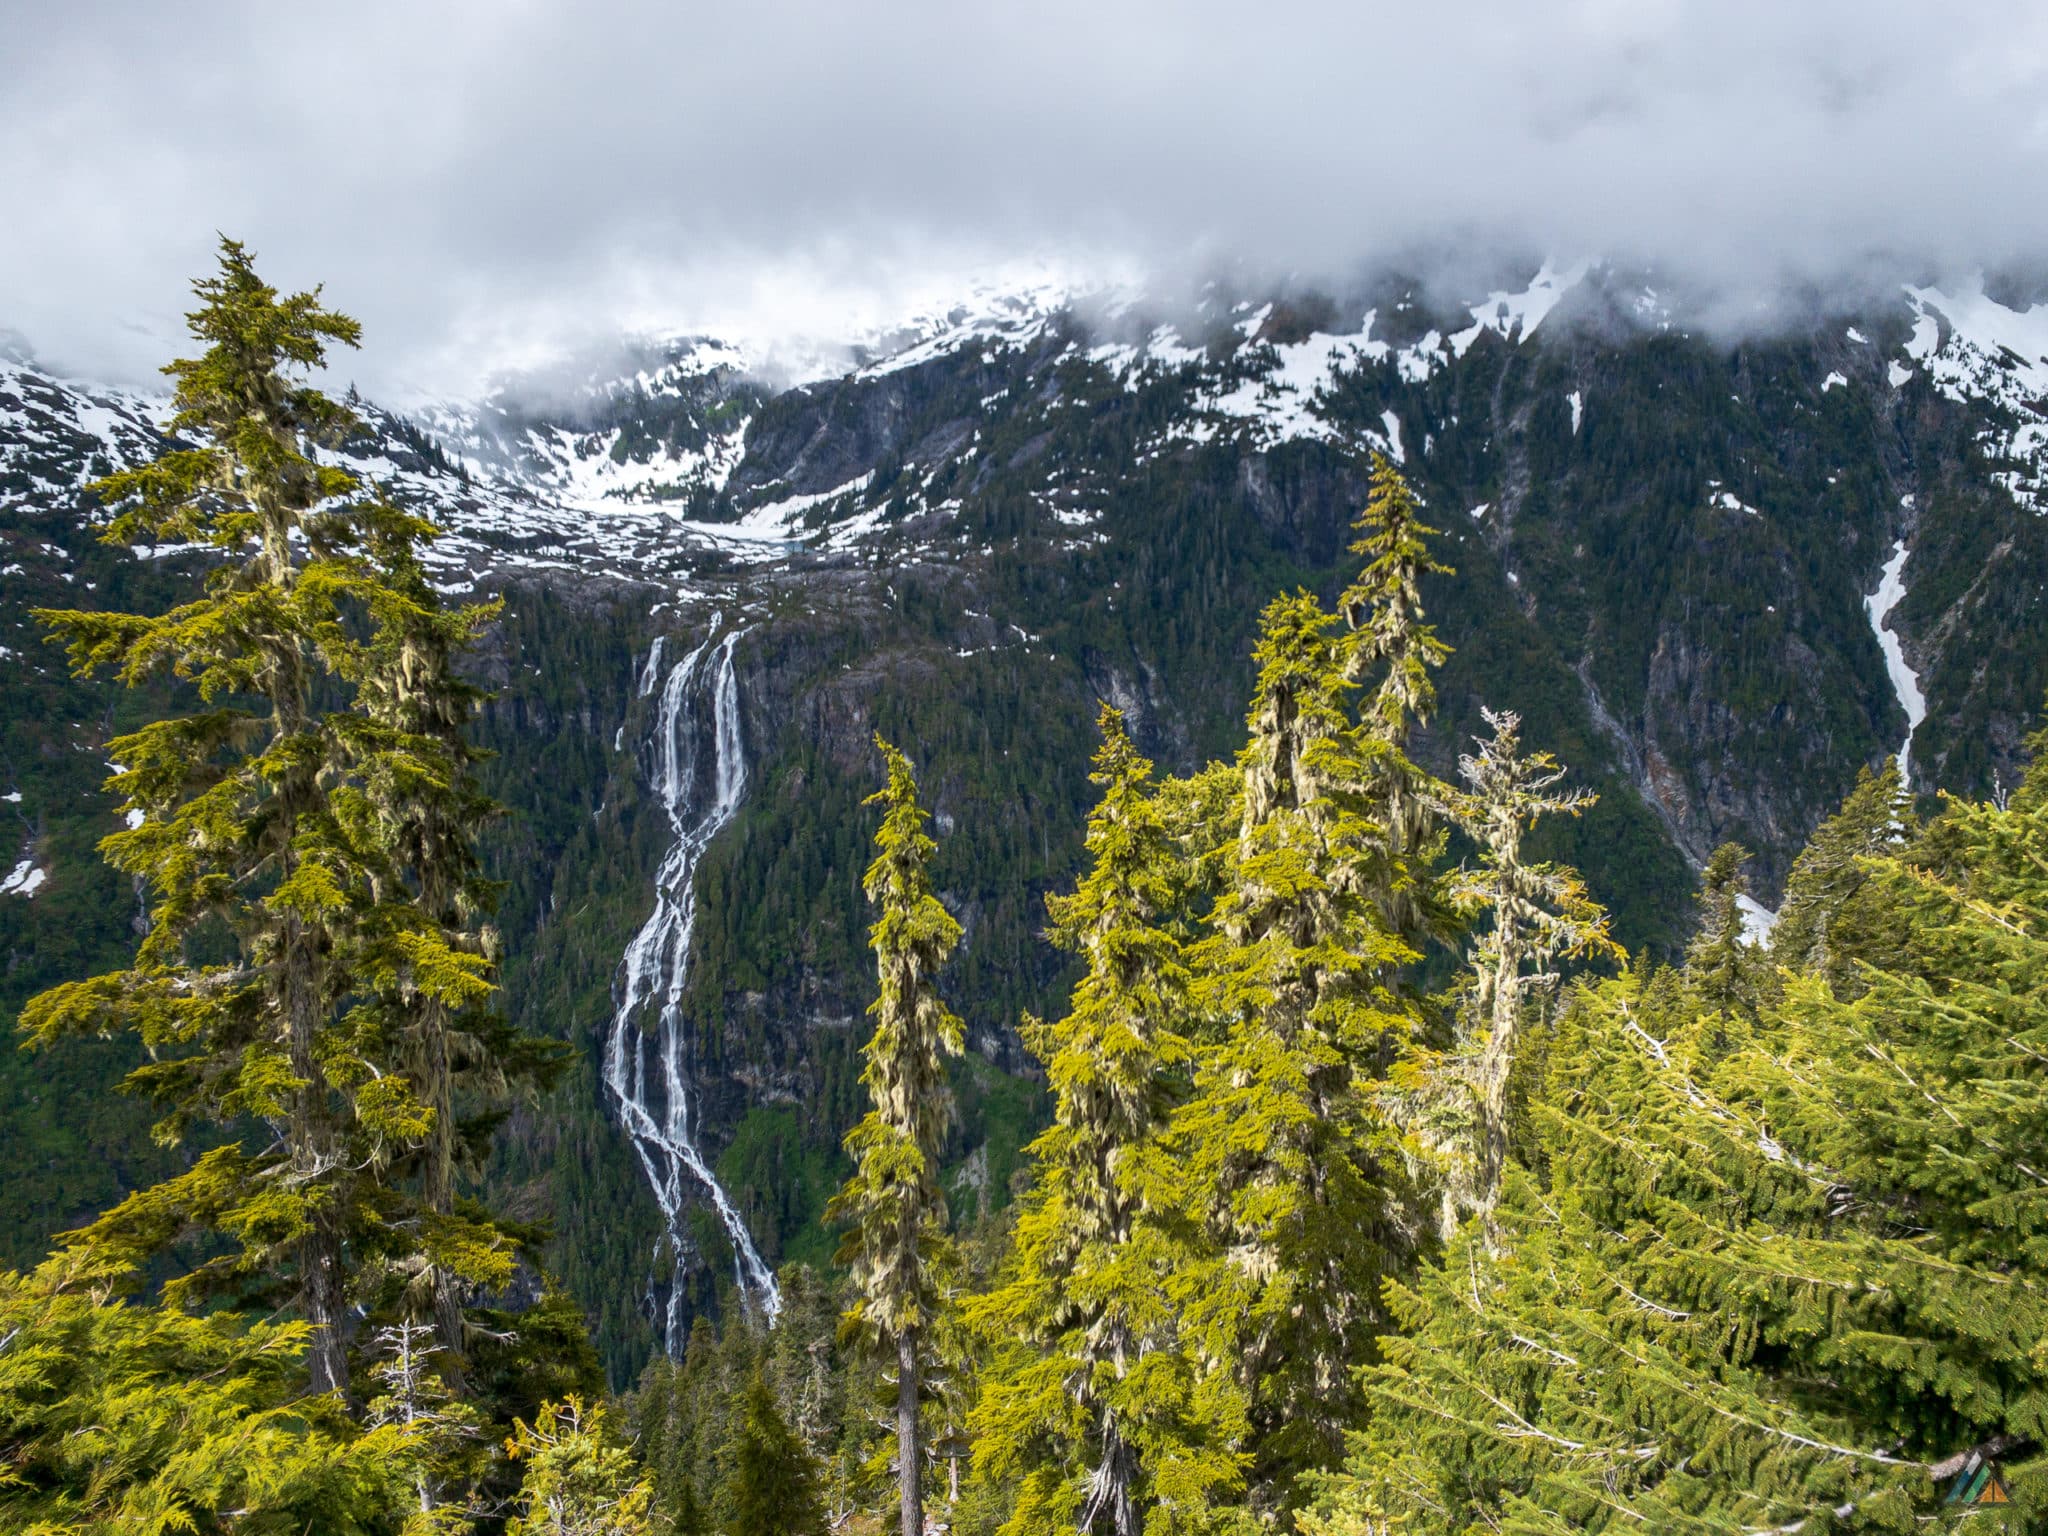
1229,1177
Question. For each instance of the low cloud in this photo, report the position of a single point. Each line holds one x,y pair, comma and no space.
485,184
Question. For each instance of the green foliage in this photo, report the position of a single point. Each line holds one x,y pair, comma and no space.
893,1208
770,1487
1094,1405
579,1480
121,1417
1285,1158
312,991
1772,1266
755,1419
1827,923
1535,915
231,822
1726,968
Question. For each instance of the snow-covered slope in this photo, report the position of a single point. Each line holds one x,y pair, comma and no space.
642,465
1973,348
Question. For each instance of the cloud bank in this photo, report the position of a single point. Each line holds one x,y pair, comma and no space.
482,183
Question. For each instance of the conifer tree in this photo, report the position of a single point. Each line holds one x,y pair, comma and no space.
1095,1408
237,823
1289,1165
433,959
1383,608
1778,1270
1727,968
579,1480
893,1207
1536,914
1825,925
771,1480
321,812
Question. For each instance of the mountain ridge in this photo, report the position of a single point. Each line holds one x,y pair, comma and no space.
1666,545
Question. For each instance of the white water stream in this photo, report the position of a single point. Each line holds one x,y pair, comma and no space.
696,726
1891,589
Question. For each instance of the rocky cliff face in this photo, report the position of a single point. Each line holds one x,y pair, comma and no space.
1665,546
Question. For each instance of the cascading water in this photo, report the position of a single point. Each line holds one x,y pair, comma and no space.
647,1072
1891,591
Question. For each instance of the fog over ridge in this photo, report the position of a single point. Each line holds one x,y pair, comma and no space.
485,185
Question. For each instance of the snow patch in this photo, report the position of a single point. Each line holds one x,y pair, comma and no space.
1757,920
1393,425
24,880
1998,356
1926,329
1515,316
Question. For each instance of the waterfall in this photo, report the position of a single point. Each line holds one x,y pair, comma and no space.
648,1072
1891,590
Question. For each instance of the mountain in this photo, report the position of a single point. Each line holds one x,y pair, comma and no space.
1673,551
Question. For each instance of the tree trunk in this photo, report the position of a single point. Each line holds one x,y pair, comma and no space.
440,1188
909,1449
313,1144
314,1162
1503,1001
1109,1487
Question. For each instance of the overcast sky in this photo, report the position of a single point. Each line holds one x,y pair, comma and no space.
480,182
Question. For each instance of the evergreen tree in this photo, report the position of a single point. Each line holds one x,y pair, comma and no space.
434,965
1096,1409
579,1481
1728,969
1770,1272
771,1480
238,827
892,1206
1287,1163
1536,914
1384,610
1825,924
328,832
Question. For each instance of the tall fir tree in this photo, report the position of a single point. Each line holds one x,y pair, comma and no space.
1096,1411
236,823
892,1206
1289,1167
1394,651
1534,915
320,813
